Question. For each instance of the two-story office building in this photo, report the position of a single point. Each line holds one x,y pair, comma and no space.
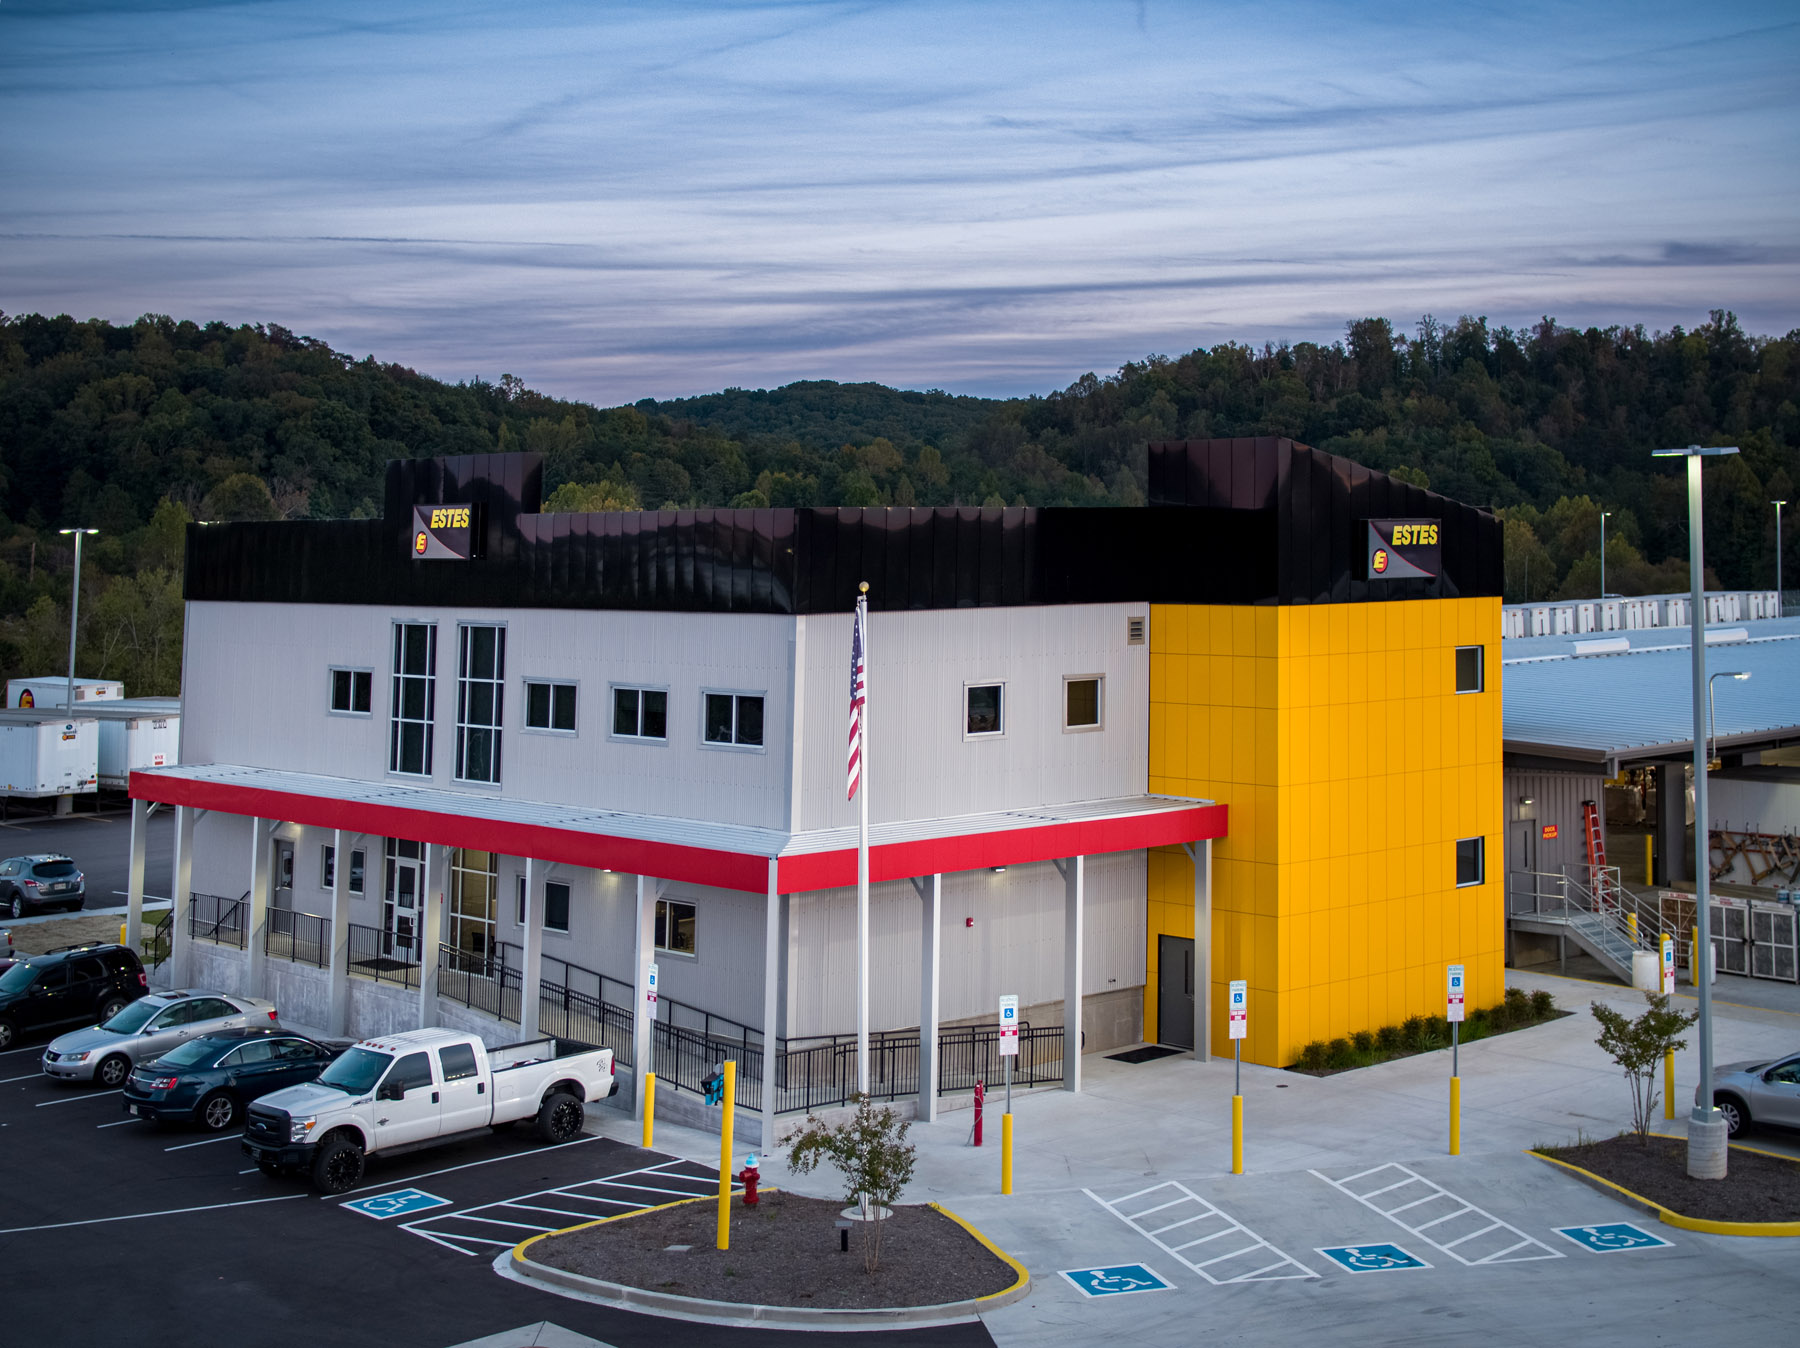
475,763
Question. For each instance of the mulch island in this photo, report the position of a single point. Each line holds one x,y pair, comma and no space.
1756,1187
784,1252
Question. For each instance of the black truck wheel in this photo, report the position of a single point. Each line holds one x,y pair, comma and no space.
338,1166
560,1117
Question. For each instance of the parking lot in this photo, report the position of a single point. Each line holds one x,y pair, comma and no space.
99,843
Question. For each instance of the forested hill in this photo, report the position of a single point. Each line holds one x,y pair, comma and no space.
136,429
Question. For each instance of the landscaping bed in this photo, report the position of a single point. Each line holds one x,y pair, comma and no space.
1757,1187
1425,1034
784,1252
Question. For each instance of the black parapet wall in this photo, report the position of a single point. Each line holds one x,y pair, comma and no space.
1231,522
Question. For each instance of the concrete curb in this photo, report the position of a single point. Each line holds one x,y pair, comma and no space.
516,1264
1668,1216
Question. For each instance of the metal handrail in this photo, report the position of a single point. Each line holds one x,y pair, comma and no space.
382,956
225,926
304,938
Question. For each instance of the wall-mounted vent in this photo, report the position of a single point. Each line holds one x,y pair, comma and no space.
1134,631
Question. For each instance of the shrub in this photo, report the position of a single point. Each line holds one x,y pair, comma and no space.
1364,1041
870,1151
1638,1046
1387,1039
1437,1032
1338,1053
1543,1005
1412,1033
1482,1022
1312,1057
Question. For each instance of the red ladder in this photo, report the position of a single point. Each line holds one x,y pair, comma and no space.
1596,851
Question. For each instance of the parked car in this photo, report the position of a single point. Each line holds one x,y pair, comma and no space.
147,1029
70,985
210,1079
417,1089
1768,1091
34,883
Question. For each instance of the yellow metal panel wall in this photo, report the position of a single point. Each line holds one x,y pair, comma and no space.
1352,767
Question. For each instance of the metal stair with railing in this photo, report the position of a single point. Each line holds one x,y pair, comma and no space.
1602,917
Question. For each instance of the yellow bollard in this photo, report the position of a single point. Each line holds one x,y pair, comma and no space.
1631,921
1694,964
1456,1116
1006,1153
1237,1134
649,1110
730,1102
1649,860
121,933
1669,1084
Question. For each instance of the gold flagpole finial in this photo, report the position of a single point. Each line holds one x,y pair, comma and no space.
863,588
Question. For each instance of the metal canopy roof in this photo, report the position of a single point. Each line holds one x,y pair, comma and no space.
700,851
1561,701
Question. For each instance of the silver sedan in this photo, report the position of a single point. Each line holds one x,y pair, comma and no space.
146,1029
1758,1092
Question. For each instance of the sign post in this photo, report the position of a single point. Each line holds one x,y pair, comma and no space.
1668,987
1009,1049
1237,1020
1453,1012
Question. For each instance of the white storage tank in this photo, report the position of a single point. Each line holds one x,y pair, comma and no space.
44,753
51,691
136,732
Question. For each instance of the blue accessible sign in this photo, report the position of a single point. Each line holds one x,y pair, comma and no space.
1114,1281
1611,1237
399,1203
1372,1258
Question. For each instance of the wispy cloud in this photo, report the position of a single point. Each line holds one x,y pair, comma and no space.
651,199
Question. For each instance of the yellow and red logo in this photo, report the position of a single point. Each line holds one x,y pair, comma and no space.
419,543
26,699
1379,562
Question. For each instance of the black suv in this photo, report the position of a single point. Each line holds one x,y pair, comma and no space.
71,985
28,884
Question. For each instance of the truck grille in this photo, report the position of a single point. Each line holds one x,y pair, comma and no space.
266,1125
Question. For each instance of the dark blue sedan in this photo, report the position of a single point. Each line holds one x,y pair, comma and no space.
209,1080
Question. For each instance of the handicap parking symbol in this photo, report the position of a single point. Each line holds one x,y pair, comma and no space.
1611,1237
399,1203
1114,1281
1372,1258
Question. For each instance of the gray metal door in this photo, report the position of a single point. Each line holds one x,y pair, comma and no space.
1731,938
1175,991
1772,944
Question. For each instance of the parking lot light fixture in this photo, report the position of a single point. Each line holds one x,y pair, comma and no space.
1780,604
1603,515
74,608
1707,1151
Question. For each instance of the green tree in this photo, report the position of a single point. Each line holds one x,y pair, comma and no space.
242,496
870,1151
1639,1046
585,497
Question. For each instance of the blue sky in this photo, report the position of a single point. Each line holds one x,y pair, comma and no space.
616,201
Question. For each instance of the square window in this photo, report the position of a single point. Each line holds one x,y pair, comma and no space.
984,709
351,691
675,927
1469,671
550,706
1081,702
641,713
1471,861
734,718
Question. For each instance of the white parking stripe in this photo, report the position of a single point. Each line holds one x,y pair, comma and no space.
69,1100
467,1165
121,1123
29,1076
206,1142
136,1216
1462,1210
1284,1268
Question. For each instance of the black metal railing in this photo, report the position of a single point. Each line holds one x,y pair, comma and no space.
384,956
584,1004
214,918
159,939
484,980
304,938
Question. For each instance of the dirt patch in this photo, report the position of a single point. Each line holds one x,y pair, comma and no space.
784,1252
1756,1188
35,938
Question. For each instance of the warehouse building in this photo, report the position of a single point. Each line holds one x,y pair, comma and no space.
474,763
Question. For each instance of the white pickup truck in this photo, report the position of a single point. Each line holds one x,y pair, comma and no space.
405,1091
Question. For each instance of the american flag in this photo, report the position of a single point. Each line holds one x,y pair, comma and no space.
858,693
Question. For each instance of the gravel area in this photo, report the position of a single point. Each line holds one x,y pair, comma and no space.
34,938
784,1252
1756,1188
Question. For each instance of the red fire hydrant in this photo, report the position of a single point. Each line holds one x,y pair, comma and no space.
979,1092
749,1177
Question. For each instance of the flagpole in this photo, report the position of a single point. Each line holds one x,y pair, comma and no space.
862,867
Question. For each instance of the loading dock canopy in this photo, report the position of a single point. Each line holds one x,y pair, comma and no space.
1629,697
753,860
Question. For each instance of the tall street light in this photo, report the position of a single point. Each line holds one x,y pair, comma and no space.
74,608
1780,607
1603,515
1706,1151
1713,708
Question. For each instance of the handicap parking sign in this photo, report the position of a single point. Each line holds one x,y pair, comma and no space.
399,1203
1114,1281
1611,1237
1372,1258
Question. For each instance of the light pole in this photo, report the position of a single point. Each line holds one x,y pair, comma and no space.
1780,606
1712,707
1706,1152
74,609
1603,515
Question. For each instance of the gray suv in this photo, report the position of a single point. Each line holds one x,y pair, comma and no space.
32,884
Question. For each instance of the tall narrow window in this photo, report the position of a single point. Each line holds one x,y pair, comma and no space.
1469,673
1471,861
556,905
480,675
984,709
415,698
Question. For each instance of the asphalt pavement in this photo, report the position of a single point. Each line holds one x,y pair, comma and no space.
99,843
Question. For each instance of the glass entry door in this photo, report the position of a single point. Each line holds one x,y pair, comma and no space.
474,890
400,907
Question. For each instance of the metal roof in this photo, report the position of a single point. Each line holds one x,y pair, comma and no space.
1582,698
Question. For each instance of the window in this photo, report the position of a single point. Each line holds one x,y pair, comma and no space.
457,1062
352,690
734,718
984,709
675,927
1081,702
411,1071
521,899
549,706
327,867
480,675
1471,861
415,699
357,863
296,1050
244,1055
641,713
1469,669
556,906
